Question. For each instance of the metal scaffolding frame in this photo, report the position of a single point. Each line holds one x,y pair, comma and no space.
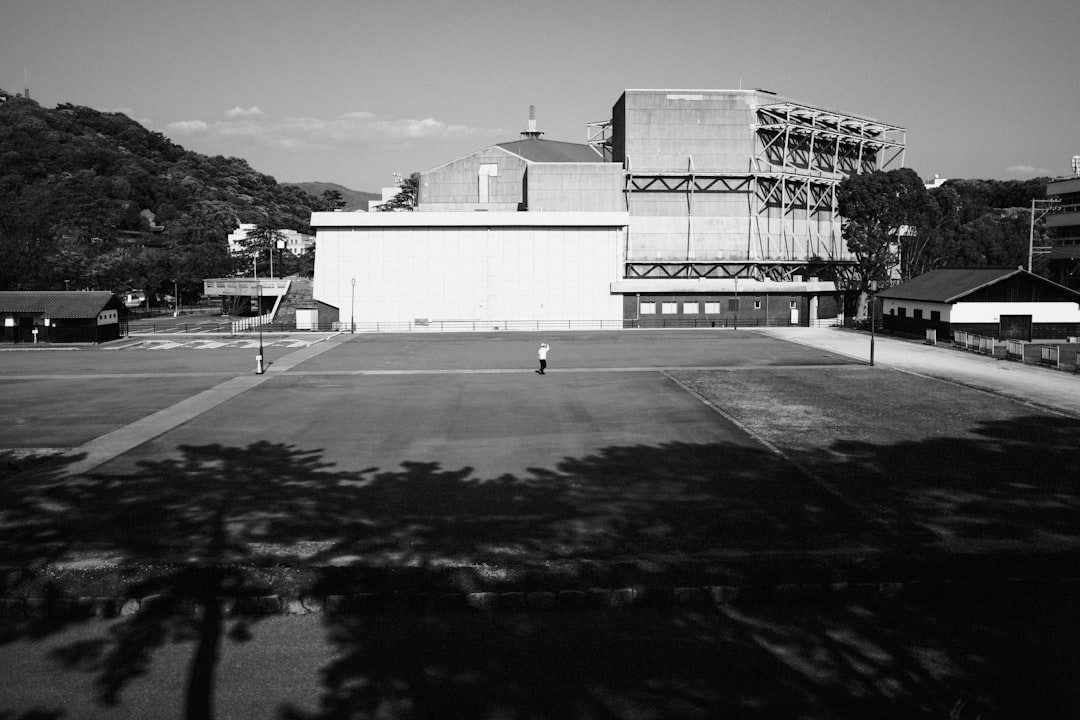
801,155
598,136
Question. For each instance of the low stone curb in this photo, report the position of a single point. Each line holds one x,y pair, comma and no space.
563,600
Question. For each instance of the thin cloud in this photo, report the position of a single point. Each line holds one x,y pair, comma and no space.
1028,170
187,127
348,129
237,112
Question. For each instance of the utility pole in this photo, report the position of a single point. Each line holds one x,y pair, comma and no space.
1045,206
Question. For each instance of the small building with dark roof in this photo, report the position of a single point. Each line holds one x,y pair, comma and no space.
59,316
1008,304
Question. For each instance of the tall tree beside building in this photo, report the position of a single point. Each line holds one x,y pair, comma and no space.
879,209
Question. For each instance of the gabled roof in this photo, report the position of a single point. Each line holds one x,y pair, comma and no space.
57,303
953,284
552,151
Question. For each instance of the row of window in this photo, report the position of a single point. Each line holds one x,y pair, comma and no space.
935,316
711,307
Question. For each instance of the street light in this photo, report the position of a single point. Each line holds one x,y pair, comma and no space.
736,302
176,297
258,318
873,303
352,308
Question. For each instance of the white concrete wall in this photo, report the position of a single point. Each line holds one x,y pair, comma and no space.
1043,312
508,270
983,312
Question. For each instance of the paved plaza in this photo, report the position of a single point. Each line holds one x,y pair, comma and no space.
794,528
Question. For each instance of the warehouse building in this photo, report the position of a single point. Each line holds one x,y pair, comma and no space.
1003,303
703,207
60,316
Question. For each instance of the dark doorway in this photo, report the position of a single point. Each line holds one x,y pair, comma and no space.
26,330
1015,327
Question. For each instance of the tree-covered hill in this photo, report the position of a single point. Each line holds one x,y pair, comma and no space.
94,200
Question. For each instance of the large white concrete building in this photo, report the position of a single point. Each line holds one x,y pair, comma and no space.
686,207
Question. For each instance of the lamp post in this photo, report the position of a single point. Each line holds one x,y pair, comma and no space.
736,302
352,308
872,303
259,369
176,297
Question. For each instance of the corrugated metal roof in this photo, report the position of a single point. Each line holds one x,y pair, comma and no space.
56,303
537,150
948,285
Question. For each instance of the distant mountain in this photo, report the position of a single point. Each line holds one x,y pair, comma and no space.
354,199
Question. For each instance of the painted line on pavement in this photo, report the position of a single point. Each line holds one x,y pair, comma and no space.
102,449
815,478
572,370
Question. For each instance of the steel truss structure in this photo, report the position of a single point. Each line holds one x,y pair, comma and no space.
801,155
774,270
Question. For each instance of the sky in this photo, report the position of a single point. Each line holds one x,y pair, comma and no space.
353,91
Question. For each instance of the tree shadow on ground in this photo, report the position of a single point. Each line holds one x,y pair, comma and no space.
898,659
217,521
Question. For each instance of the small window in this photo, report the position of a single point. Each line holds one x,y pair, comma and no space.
711,308
935,315
918,314
670,308
648,308
691,308
794,304
902,312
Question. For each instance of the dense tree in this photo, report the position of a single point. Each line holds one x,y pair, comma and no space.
405,200
931,243
75,185
994,240
979,197
330,200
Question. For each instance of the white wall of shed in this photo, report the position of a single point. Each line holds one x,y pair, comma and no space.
1040,312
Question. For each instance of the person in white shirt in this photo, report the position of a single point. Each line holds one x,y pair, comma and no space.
542,353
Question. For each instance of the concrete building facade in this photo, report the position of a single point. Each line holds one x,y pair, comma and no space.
1063,221
722,197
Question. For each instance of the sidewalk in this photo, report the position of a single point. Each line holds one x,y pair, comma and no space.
1038,386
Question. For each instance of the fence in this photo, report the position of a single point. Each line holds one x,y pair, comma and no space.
979,343
421,325
1063,356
